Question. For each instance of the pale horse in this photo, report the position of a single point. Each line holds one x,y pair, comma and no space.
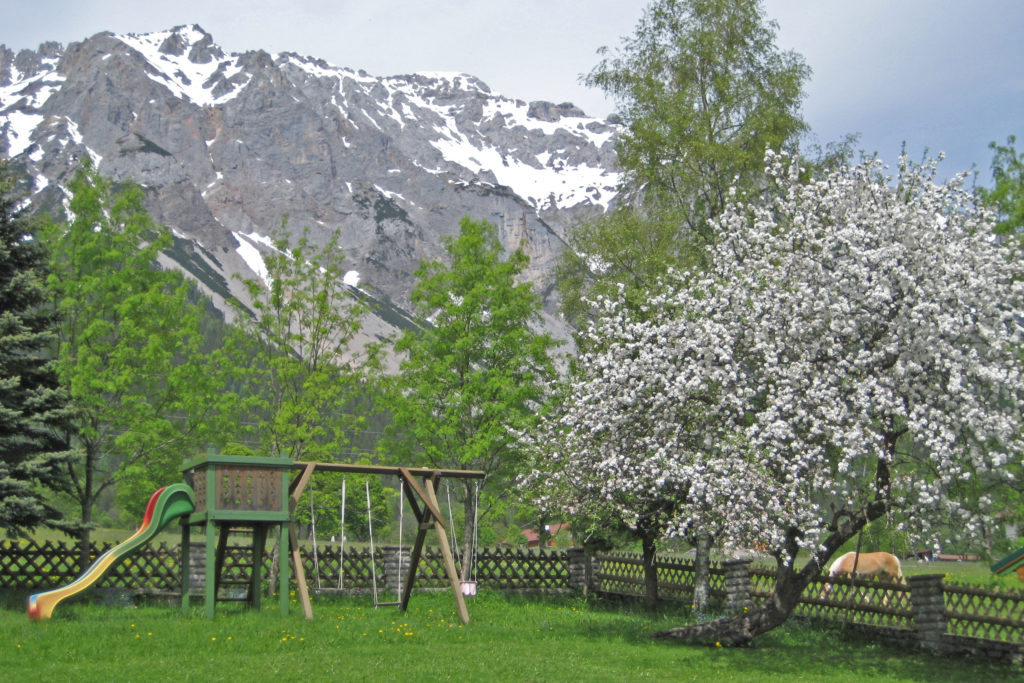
867,565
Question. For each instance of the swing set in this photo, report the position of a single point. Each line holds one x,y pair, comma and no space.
422,498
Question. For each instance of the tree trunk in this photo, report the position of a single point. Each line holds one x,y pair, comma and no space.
87,498
702,573
742,628
650,571
85,538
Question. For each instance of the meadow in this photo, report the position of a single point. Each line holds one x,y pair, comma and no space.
509,638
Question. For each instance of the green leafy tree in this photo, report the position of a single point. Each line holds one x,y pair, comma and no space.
475,373
703,91
1007,195
1006,198
129,345
33,405
326,493
303,382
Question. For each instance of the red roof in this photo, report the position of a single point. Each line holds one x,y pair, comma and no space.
533,537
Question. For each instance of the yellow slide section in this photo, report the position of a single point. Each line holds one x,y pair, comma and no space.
165,505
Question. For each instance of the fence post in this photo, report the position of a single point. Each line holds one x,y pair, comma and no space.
737,584
929,608
582,570
197,568
396,566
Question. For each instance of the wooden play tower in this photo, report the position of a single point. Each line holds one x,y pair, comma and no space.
234,493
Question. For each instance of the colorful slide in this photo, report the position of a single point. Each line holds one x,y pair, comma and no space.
1012,562
165,505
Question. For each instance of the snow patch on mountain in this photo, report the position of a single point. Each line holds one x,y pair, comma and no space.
190,80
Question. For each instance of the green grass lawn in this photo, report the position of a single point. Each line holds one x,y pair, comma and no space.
513,639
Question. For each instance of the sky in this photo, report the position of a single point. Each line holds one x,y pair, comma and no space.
938,75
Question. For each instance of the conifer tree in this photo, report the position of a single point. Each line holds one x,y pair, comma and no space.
33,406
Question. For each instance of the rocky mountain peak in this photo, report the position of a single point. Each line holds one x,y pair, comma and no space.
227,144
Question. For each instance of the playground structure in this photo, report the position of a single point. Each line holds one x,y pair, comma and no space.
225,494
1014,562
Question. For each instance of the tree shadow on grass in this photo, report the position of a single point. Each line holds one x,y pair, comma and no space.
800,649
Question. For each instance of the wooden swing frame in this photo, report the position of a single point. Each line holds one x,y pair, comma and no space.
423,501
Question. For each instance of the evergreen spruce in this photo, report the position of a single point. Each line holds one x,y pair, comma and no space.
33,406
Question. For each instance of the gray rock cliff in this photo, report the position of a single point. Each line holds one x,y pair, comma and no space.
227,144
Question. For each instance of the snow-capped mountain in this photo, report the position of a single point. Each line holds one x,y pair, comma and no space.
227,144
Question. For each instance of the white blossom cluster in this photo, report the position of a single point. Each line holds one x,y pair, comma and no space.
855,340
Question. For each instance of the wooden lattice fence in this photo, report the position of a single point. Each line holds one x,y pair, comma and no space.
498,568
981,615
519,569
970,613
623,574
984,613
27,564
154,568
858,601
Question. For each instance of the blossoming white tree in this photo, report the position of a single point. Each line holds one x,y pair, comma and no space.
853,352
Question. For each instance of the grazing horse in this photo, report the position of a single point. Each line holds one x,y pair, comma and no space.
867,566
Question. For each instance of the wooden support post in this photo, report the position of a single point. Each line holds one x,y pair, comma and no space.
222,546
210,587
259,541
417,548
446,551
300,571
297,488
283,573
185,568
431,503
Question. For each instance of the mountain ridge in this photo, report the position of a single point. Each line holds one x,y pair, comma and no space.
225,145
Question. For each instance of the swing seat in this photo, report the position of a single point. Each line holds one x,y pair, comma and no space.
468,588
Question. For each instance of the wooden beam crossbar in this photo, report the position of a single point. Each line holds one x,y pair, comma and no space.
385,469
422,500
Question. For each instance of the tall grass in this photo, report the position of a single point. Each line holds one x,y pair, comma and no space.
510,638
